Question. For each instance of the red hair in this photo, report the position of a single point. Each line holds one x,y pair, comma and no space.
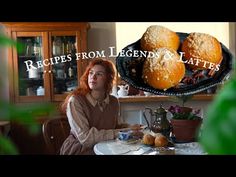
83,89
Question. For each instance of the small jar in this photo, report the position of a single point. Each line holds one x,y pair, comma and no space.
33,74
40,91
60,74
70,72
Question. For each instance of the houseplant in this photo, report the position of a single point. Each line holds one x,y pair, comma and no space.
185,123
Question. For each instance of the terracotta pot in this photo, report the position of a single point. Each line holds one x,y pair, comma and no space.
185,130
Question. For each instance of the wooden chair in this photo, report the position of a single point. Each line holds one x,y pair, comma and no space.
55,131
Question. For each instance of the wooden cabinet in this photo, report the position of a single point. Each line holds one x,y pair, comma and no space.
49,64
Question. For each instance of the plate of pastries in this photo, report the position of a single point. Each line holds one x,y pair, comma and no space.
165,62
158,142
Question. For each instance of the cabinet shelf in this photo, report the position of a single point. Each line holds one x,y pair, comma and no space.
126,99
65,79
26,56
31,79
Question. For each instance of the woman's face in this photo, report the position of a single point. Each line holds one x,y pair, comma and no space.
97,78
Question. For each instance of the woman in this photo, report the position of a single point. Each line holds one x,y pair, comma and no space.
92,113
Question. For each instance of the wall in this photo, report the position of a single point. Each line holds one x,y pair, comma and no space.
101,36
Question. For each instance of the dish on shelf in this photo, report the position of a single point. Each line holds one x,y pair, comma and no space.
130,70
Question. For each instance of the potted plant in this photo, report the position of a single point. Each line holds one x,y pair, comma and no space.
185,123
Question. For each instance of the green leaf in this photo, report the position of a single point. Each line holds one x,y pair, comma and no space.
7,147
219,127
26,115
6,41
34,129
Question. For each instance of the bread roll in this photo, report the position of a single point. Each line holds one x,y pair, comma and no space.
161,140
164,70
204,47
158,37
148,139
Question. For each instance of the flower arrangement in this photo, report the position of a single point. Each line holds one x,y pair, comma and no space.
184,113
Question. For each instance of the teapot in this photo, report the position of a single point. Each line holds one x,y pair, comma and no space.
158,121
123,90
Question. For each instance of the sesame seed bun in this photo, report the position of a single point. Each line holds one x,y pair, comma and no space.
202,46
164,70
158,37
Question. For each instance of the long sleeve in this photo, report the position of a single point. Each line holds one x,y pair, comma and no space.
80,126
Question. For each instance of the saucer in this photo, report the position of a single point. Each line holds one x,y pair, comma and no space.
129,141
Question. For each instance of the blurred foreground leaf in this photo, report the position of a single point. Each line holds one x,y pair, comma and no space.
26,114
7,147
219,128
6,41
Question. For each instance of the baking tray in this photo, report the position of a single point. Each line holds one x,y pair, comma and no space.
126,65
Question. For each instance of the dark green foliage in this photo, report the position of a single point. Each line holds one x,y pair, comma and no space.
219,128
5,41
7,147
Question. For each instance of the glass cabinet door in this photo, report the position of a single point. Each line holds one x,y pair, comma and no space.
64,69
29,67
47,69
30,76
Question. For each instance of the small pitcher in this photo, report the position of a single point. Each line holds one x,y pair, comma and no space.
123,90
